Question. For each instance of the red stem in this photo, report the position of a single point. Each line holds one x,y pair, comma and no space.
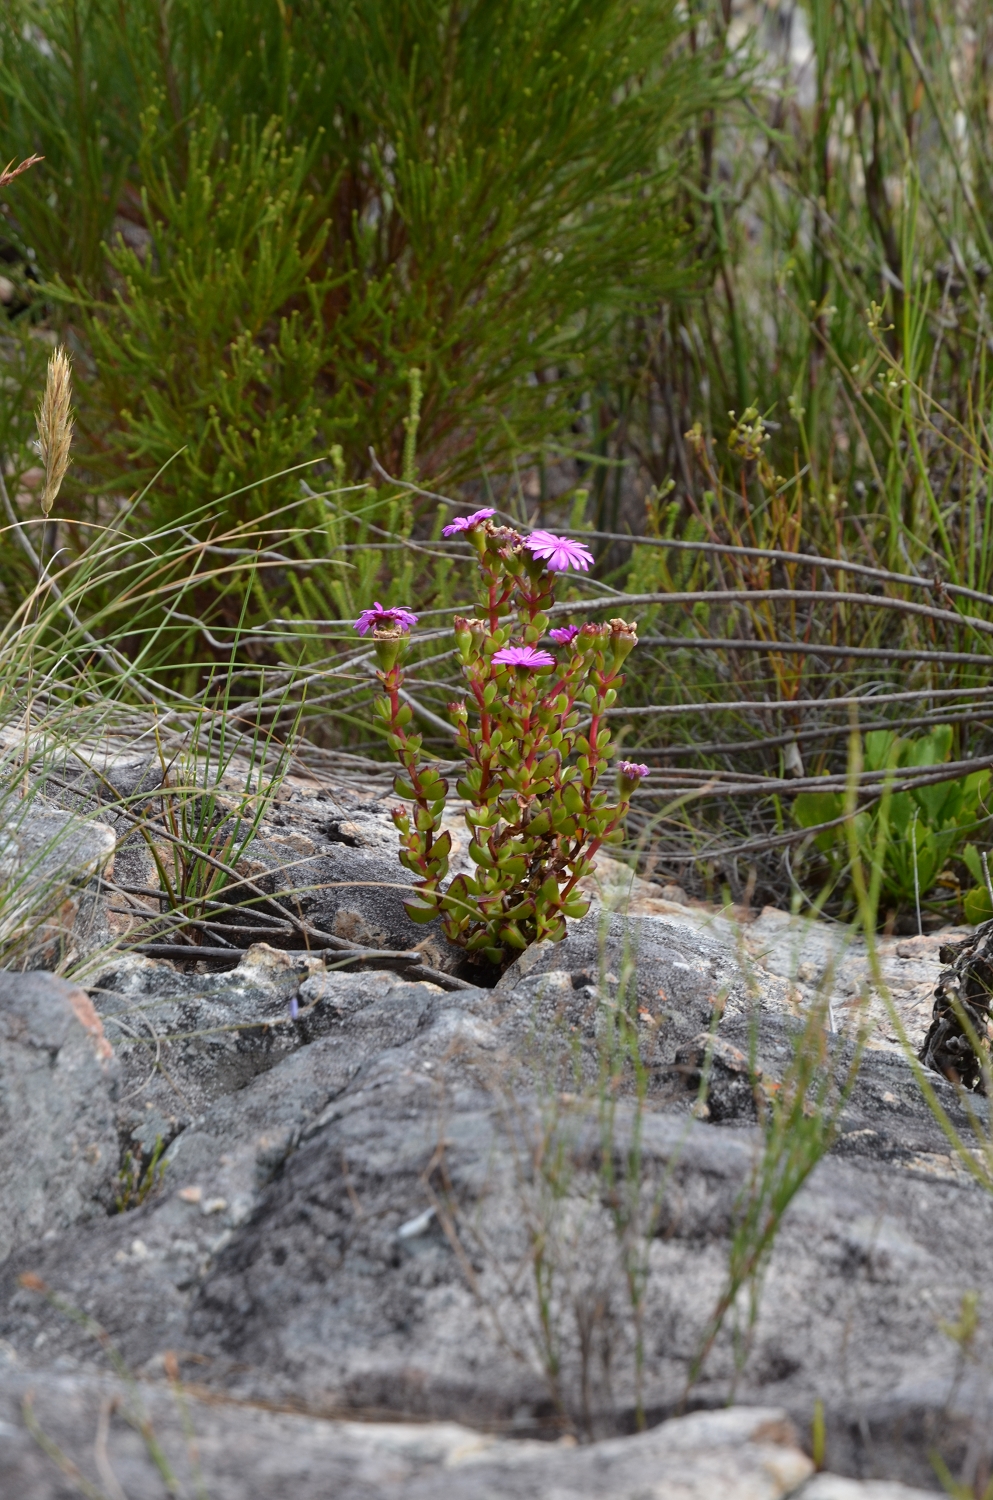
392,681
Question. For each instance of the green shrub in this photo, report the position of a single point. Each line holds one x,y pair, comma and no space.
259,218
977,905
927,827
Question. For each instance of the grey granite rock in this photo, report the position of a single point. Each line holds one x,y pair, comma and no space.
356,893
59,1153
679,977
834,1487
185,1041
361,1206
253,1454
47,856
49,845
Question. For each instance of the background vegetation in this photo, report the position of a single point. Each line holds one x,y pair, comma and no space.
539,251
258,218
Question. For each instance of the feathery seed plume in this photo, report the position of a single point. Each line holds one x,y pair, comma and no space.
55,426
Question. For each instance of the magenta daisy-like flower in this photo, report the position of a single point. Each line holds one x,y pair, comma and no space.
559,553
633,769
466,523
381,618
564,635
531,657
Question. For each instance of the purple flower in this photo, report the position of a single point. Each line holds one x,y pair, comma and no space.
523,656
632,769
559,552
379,618
564,635
466,523
294,1008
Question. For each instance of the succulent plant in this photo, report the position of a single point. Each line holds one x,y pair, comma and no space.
531,732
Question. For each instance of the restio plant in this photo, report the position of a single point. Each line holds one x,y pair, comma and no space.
534,741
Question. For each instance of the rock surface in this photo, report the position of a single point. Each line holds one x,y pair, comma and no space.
833,1487
790,960
47,856
252,1454
59,1152
382,1199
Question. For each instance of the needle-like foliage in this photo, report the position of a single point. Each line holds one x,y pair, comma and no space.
259,218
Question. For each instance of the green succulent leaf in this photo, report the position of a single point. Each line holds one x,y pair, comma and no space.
420,911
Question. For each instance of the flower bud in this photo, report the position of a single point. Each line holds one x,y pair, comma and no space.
630,775
624,638
469,633
504,543
591,636
532,566
389,647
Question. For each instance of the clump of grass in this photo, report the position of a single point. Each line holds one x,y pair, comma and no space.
75,689
798,1122
138,1179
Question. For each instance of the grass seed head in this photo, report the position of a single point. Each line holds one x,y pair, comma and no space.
9,172
55,426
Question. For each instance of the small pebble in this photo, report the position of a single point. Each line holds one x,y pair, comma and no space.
190,1194
414,1228
214,1206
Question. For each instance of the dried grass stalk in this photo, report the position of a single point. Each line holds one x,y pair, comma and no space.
9,172
55,426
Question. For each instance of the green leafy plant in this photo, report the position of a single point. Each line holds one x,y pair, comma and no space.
535,816
928,825
977,903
